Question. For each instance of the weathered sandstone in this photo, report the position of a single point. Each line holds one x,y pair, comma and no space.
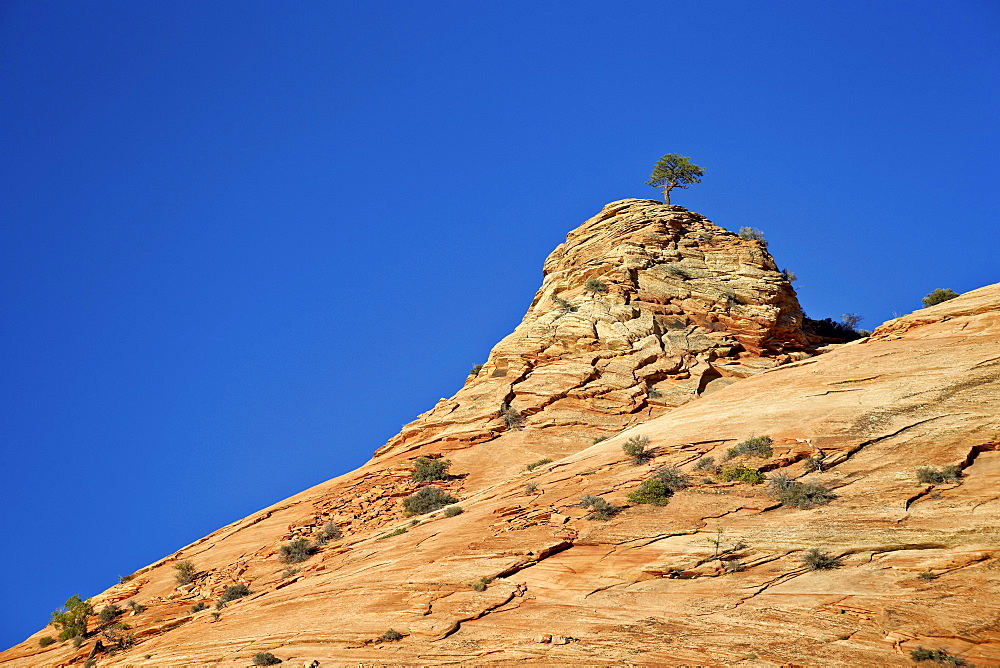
649,586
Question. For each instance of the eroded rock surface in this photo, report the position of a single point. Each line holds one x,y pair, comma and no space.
716,576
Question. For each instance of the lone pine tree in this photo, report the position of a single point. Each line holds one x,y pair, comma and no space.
674,171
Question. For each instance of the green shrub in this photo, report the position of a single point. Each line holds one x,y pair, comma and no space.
534,465
741,474
109,613
635,448
427,499
752,234
45,641
136,608
398,532
451,511
186,572
426,469
937,656
705,464
199,606
813,463
480,584
391,636
938,296
265,659
289,572
929,474
758,446
652,492
815,560
600,439
804,495
234,592
599,508
530,488
595,286
476,368
298,550
672,477
71,619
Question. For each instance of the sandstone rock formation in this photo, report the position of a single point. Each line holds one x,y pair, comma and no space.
716,576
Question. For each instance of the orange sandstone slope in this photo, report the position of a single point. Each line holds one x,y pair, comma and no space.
716,577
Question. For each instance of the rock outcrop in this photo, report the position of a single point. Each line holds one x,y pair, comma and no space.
720,575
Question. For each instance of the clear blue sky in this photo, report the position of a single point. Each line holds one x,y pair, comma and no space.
242,243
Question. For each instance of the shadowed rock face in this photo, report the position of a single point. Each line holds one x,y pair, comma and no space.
714,577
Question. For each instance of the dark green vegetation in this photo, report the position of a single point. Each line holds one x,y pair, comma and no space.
595,286
635,448
674,171
705,464
136,608
199,606
185,572
740,474
532,466
599,508
934,476
398,532
391,636
938,296
265,659
828,328
71,619
426,500
298,550
426,469
937,656
476,368
799,494
451,511
330,531
45,641
109,613
481,583
815,560
234,592
651,492
512,417
672,478
758,446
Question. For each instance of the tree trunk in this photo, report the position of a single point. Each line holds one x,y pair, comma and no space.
666,195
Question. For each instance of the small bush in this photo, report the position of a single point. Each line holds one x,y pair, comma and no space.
789,275
265,659
186,572
815,560
451,511
735,566
427,499
199,606
595,286
705,464
600,439
813,463
426,469
480,584
45,641
929,474
534,465
652,492
298,550
124,578
78,642
780,482
530,488
599,508
805,495
927,575
937,656
741,474
109,613
136,608
672,477
752,234
512,417
564,305
635,448
758,446
391,636
330,531
234,592
476,368
938,296
289,572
